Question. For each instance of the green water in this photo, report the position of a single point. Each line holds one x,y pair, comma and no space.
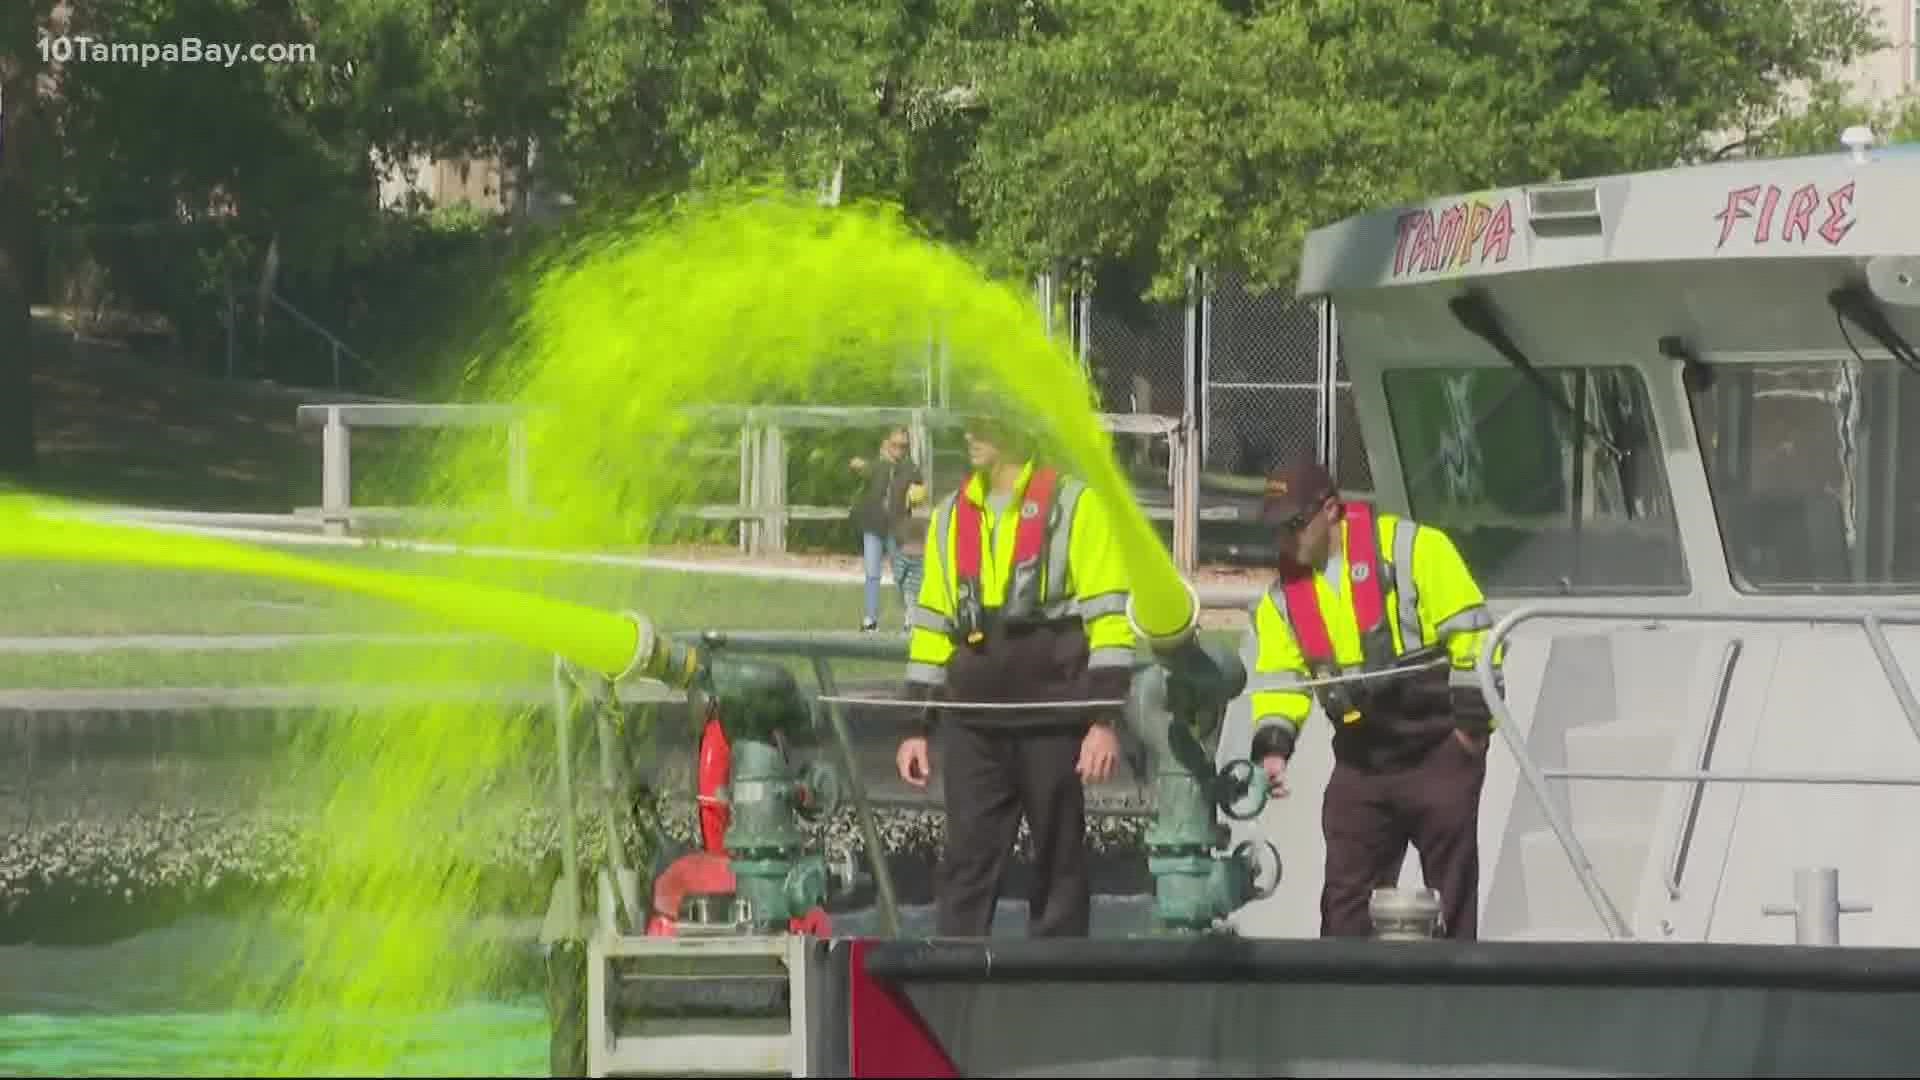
145,1005
481,1039
138,1007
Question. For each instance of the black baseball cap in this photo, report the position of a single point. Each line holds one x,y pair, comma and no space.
1295,492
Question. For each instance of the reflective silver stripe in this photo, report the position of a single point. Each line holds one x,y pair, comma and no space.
1262,681
1462,679
1474,618
1404,533
1113,603
1110,656
1278,598
926,674
928,619
1059,572
942,536
1023,592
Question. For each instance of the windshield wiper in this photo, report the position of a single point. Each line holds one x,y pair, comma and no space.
1472,311
1857,303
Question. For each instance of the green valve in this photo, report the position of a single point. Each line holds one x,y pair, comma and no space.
769,799
1176,709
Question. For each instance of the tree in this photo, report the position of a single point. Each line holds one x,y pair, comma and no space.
1180,130
1814,127
21,130
1146,132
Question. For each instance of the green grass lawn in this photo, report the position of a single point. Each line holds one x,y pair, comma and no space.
39,599
73,599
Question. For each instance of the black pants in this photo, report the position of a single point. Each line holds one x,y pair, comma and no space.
993,773
1370,816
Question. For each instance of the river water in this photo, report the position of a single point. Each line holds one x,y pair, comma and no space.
147,1006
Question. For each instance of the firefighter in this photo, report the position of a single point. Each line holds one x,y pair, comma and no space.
1023,599
1361,591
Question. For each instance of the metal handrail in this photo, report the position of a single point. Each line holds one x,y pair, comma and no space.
1870,621
1709,741
310,323
822,649
1702,776
862,806
335,345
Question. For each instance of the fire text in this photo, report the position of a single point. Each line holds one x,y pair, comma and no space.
1763,205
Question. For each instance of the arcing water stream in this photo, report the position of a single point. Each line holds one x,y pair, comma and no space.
752,299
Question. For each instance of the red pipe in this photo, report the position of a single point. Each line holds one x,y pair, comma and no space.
709,870
713,770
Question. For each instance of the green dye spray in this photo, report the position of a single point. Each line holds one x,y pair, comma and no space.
628,345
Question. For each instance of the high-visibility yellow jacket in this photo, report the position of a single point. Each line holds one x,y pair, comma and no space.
1430,598
1080,576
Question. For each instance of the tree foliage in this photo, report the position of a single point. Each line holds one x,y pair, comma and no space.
1150,133
1174,130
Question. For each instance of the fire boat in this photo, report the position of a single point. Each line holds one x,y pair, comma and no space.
1661,415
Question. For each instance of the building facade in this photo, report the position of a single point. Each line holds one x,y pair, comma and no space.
1895,70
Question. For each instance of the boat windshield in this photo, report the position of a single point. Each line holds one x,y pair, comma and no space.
1537,502
1803,458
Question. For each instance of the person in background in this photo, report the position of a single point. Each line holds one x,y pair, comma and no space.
883,514
1364,592
1023,602
911,555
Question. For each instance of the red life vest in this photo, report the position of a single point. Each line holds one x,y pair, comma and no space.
1028,541
1363,577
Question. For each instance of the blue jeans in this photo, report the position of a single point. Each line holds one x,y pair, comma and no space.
876,551
906,574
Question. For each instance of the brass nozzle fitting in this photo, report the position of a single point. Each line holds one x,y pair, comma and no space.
656,656
1179,639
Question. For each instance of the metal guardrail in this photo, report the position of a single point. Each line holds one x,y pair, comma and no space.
1871,622
762,510
821,649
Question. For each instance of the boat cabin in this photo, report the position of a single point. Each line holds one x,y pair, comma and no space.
1668,418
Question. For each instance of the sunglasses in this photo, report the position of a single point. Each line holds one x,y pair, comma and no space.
1295,523
1300,520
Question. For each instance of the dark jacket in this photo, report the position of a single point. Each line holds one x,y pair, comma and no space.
882,506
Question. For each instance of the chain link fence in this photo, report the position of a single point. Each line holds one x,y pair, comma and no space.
1136,355
1258,371
1268,382
1263,380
